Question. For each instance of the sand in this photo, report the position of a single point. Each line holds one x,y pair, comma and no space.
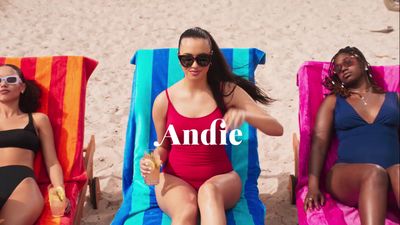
290,32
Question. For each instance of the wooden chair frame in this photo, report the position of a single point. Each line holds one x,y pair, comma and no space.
293,178
92,182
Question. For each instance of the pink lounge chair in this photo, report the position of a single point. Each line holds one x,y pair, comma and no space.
311,93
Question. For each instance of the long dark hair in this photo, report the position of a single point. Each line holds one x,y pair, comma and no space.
29,99
220,73
335,85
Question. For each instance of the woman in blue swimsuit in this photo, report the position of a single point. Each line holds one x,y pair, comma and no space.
366,122
22,133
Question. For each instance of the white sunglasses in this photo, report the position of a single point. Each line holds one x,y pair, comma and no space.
11,79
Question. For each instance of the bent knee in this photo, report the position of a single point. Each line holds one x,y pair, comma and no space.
190,210
191,200
187,212
209,190
376,175
184,208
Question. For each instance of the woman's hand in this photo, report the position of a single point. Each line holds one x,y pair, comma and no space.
314,199
145,165
234,118
59,194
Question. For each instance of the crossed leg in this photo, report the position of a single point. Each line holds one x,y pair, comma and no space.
24,205
216,195
362,185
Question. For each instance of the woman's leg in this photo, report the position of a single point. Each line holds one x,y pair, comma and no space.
365,185
394,175
24,205
217,194
177,199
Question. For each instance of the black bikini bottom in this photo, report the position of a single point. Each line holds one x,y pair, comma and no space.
10,177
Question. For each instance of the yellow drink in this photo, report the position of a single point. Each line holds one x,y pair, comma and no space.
154,162
57,201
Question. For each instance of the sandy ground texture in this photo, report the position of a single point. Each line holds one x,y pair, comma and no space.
291,32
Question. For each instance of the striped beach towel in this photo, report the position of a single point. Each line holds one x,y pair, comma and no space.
62,80
312,92
155,71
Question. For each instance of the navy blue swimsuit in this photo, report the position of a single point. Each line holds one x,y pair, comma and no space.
361,142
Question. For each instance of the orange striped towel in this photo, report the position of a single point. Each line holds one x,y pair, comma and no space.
62,80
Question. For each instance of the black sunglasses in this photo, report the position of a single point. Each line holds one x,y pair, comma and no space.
202,60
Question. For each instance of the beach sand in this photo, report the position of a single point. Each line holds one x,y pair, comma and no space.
290,32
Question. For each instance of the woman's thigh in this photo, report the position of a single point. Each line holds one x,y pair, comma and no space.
174,195
228,185
344,180
24,205
394,175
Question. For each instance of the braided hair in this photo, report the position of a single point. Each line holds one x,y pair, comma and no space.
336,86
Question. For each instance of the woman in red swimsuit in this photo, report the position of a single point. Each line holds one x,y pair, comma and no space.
199,178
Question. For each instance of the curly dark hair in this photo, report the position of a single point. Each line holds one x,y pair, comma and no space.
335,85
29,99
220,73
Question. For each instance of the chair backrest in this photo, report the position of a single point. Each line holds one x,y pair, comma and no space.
312,93
157,69
62,80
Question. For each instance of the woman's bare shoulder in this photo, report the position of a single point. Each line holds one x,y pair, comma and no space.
160,104
41,121
229,88
329,102
39,117
330,98
161,98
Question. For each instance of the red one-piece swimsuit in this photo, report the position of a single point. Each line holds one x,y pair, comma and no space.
195,164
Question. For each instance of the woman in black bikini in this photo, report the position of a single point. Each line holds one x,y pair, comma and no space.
22,133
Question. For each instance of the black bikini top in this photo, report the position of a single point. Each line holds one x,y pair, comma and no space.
25,138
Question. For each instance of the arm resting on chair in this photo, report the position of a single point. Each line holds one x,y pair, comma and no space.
45,132
320,143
